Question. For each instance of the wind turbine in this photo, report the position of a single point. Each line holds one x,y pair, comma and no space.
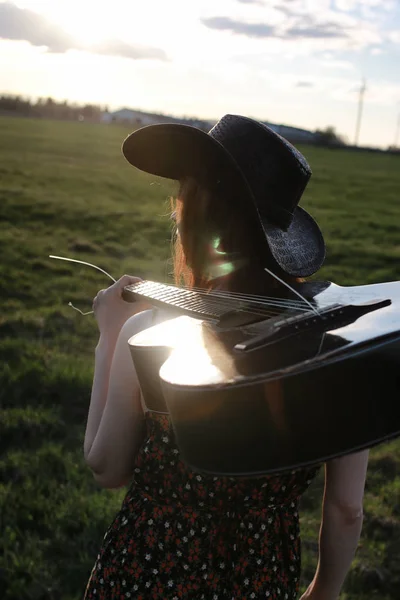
396,135
359,112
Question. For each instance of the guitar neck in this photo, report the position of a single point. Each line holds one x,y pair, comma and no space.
185,302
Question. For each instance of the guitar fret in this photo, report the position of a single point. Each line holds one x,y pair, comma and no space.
177,300
196,303
166,296
180,303
172,295
191,301
202,306
180,298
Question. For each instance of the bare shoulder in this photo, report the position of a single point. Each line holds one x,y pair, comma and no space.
136,323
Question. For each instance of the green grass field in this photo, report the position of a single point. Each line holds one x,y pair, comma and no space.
65,189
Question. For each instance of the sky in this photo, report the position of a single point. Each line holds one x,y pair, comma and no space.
297,62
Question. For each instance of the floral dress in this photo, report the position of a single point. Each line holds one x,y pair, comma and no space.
183,535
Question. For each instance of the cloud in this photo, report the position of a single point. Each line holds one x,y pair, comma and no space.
328,62
25,25
287,10
319,23
119,48
316,30
367,8
303,29
260,30
304,84
394,36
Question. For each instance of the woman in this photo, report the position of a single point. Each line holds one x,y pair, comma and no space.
181,534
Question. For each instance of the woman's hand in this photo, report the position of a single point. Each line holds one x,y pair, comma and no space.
111,311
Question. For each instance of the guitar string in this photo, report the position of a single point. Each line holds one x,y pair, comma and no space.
227,307
274,301
262,313
234,296
217,296
195,304
225,299
289,287
200,297
200,291
200,308
239,295
82,262
256,298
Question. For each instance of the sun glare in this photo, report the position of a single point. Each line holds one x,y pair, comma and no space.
88,22
153,24
91,21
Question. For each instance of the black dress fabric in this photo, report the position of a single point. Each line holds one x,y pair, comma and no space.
183,535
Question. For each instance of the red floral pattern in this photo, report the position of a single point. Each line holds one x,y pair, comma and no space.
183,535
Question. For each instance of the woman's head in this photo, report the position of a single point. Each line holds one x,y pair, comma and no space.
243,159
213,242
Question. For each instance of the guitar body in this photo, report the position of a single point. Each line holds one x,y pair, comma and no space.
280,393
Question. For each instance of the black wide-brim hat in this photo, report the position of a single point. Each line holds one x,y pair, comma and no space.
258,167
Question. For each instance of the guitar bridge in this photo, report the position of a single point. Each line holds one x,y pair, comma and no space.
334,317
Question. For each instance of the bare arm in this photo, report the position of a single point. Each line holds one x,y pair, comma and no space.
115,400
342,517
104,353
114,429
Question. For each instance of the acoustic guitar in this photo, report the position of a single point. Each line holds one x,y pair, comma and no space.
257,385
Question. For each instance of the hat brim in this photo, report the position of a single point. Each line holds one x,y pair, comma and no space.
175,151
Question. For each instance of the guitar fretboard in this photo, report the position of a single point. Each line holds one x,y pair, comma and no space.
186,301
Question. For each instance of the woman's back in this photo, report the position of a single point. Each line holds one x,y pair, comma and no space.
182,532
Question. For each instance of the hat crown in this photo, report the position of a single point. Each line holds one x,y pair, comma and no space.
276,172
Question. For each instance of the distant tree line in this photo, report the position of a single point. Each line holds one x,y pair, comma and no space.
50,109
329,137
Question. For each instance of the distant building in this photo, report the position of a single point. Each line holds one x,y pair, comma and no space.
140,119
294,134
127,115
